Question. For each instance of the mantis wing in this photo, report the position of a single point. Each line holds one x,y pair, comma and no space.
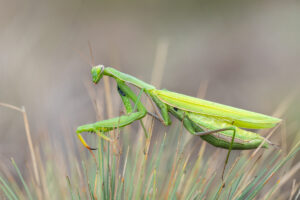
238,117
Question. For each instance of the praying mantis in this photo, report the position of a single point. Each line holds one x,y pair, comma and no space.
217,124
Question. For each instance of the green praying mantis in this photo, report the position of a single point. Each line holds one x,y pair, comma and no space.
218,124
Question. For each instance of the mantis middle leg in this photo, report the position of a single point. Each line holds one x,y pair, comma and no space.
106,125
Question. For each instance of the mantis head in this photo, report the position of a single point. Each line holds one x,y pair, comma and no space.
97,73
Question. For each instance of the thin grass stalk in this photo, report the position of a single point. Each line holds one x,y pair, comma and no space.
156,157
235,186
203,193
193,174
112,179
29,140
141,170
147,190
160,61
249,168
88,181
119,188
272,172
108,98
154,189
157,74
102,184
28,136
13,183
130,183
6,193
7,189
22,180
225,179
284,179
107,170
294,189
297,195
70,187
124,171
178,178
197,185
175,161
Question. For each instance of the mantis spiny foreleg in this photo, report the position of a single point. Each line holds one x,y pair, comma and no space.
106,125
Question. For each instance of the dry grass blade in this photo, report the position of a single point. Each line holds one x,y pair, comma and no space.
157,75
294,189
287,176
11,107
160,62
202,89
84,57
279,112
265,140
29,139
32,153
282,108
91,54
108,97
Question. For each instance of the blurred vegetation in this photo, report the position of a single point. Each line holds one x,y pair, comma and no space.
243,54
166,166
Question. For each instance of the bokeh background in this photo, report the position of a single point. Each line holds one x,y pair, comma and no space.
244,54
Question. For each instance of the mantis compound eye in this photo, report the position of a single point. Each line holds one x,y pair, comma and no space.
97,73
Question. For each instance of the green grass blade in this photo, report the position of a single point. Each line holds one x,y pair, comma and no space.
113,176
88,182
7,190
178,179
101,169
22,179
154,185
106,183
78,195
271,172
133,174
120,188
6,193
251,185
235,186
70,187
204,192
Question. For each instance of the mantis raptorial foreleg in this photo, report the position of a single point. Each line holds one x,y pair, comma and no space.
106,125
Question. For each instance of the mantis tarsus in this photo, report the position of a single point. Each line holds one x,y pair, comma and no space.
218,124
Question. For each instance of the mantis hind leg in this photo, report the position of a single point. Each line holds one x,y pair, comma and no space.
232,128
127,95
197,130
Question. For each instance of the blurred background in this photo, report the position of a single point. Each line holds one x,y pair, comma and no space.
242,54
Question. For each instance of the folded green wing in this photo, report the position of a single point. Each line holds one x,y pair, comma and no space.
238,117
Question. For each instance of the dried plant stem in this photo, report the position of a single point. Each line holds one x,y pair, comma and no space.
28,136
